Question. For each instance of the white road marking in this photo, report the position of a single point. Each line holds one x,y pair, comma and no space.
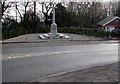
22,55
9,57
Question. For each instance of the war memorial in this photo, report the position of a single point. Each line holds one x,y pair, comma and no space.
53,30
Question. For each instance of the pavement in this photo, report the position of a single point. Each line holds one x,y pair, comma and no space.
106,73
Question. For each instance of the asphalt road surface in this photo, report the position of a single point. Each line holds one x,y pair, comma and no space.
21,64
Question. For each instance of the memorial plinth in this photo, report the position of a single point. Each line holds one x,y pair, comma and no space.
53,28
53,31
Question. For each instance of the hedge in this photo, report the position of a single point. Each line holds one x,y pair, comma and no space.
75,30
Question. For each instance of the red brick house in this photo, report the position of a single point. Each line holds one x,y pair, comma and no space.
110,23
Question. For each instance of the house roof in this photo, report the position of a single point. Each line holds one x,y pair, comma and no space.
107,20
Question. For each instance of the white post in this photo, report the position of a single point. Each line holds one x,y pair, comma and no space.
53,15
53,29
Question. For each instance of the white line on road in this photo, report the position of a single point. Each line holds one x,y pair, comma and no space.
22,55
113,49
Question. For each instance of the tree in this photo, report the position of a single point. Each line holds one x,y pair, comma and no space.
72,12
0,11
24,5
8,26
118,10
62,16
5,5
32,22
46,10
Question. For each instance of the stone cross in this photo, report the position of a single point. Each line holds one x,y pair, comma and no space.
53,28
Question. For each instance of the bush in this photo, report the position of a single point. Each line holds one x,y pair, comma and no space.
84,31
6,33
76,30
115,33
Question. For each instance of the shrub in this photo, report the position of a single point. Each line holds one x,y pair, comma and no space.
84,31
76,30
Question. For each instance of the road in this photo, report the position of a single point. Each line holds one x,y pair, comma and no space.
24,63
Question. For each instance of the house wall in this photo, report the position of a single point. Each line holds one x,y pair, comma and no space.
115,23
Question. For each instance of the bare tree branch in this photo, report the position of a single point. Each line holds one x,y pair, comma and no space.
5,6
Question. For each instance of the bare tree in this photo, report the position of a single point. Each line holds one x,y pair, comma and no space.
34,3
25,5
16,5
46,10
5,5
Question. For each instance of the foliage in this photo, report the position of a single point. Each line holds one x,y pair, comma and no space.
30,22
29,25
62,18
116,33
84,31
20,31
118,10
